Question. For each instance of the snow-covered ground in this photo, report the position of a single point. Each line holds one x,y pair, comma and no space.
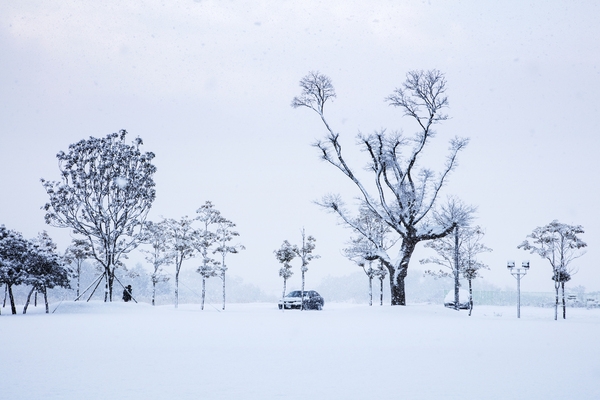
254,351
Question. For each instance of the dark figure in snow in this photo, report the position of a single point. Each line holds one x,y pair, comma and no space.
127,294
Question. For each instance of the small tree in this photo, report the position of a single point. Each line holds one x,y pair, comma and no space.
45,268
14,250
467,243
306,256
156,235
471,268
559,244
403,193
208,215
372,239
225,234
77,253
104,195
180,243
371,273
285,255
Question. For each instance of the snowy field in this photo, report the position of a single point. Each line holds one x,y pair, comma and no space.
254,351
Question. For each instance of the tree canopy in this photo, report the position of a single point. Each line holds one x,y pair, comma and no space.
105,191
402,192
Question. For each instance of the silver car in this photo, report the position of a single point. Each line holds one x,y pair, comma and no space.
312,300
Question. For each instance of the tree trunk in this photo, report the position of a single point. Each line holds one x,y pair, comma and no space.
35,299
203,292
5,294
556,287
46,299
397,290
370,291
27,301
397,275
381,291
284,284
223,290
13,309
456,272
108,287
78,275
153,291
106,273
470,298
177,288
111,281
562,284
302,294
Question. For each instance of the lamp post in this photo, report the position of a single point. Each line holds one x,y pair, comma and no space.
518,273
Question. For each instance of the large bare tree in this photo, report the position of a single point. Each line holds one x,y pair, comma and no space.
105,193
402,192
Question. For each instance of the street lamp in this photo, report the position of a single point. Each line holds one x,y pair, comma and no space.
518,273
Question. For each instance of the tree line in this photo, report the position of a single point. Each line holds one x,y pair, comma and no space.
104,194
106,190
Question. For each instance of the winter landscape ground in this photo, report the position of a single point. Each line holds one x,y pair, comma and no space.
254,351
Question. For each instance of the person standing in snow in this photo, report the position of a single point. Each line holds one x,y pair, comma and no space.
127,294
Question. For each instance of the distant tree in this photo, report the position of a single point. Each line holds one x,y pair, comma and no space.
471,267
403,193
77,253
105,193
208,216
468,267
181,237
356,252
372,239
461,214
580,290
559,244
14,250
285,255
156,235
458,251
45,268
225,234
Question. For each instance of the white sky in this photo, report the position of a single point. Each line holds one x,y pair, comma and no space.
208,85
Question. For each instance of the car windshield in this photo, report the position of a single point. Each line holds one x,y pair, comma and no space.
295,293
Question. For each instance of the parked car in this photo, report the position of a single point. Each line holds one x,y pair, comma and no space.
312,300
463,299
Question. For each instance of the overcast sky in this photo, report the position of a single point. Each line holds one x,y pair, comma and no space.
208,84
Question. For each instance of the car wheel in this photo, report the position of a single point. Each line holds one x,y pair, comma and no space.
280,306
319,307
